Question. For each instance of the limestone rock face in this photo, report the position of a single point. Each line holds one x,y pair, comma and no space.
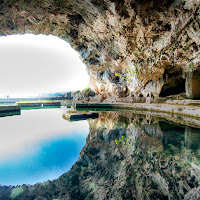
129,46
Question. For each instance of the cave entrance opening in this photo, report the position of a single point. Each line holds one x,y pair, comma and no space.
174,82
32,65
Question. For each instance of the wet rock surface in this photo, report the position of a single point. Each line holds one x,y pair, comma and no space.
142,41
127,156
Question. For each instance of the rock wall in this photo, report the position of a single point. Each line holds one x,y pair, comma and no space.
129,46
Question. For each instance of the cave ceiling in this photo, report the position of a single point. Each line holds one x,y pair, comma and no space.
138,38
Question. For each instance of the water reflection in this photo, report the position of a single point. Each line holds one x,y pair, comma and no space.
144,157
38,146
129,156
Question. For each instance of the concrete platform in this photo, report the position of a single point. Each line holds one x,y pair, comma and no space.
9,111
79,116
4,109
38,104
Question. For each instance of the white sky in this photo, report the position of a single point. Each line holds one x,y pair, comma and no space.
47,125
35,64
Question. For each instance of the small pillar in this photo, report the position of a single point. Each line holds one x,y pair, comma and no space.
148,100
192,85
188,132
188,85
196,84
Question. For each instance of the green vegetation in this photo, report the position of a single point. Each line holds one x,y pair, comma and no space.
125,141
123,76
127,74
86,89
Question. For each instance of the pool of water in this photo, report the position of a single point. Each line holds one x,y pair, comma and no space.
139,156
39,145
125,156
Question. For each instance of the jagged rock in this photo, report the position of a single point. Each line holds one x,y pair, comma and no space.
140,37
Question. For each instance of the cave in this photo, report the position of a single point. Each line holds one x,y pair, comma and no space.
150,38
174,82
113,35
141,95
175,86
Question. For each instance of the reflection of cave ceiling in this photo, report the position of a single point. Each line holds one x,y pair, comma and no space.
112,36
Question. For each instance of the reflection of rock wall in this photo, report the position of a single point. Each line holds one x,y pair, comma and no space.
143,37
106,170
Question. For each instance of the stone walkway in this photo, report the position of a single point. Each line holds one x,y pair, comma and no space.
186,115
193,111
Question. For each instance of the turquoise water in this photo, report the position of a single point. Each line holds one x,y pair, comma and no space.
39,145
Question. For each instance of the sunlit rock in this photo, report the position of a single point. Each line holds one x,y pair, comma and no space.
141,37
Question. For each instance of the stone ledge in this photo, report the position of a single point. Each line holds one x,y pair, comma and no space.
79,116
4,109
38,104
165,108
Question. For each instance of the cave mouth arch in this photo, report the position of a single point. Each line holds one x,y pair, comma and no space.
35,64
174,82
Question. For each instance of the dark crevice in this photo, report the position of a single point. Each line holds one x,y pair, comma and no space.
121,8
76,19
174,83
